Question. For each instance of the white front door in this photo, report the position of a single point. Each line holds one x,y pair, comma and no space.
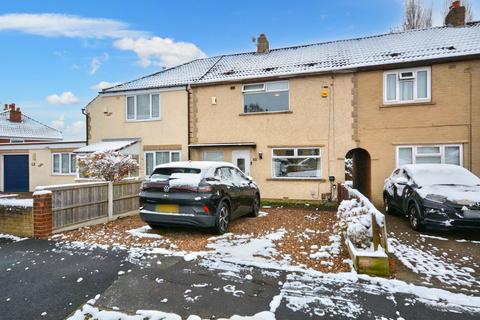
241,158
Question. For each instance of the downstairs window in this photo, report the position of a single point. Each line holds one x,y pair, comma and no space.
296,163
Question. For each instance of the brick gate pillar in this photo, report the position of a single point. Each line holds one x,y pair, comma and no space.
42,214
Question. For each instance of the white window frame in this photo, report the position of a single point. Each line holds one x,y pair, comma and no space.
397,86
295,156
211,151
442,147
70,172
264,90
155,157
151,118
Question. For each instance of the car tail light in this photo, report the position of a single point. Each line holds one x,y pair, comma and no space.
206,209
205,188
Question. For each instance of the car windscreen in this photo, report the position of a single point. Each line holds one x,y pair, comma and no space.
166,173
443,175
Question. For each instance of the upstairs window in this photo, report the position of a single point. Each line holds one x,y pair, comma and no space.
266,97
64,163
407,85
143,107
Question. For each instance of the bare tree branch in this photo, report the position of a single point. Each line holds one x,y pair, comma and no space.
416,15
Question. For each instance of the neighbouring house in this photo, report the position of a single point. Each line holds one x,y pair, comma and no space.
290,117
32,153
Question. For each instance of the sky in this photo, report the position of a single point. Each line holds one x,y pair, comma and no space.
56,55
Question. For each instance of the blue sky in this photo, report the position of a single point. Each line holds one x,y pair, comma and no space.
55,53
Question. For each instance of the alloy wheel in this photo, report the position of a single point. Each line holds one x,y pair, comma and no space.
223,218
413,217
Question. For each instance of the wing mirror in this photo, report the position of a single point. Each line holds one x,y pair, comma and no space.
401,181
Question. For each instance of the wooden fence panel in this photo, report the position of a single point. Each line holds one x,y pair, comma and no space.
75,204
125,196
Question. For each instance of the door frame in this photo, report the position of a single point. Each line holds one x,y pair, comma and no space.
242,153
2,168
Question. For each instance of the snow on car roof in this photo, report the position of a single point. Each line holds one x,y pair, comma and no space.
432,174
196,164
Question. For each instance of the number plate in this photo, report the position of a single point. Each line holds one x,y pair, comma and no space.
168,208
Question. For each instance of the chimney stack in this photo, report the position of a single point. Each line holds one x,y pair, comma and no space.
15,113
262,44
456,15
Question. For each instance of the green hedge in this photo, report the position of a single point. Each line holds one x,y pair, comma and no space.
304,204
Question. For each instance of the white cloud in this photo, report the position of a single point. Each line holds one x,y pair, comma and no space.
97,62
164,52
64,98
59,123
62,25
95,65
104,85
73,131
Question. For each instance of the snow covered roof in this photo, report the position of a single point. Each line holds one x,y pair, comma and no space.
28,128
111,145
385,49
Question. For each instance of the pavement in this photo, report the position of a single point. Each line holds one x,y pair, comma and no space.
43,280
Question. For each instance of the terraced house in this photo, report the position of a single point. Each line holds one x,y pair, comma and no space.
289,117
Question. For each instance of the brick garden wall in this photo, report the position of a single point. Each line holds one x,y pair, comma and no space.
16,220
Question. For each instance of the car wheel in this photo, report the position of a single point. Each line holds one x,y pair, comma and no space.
255,206
387,207
414,218
223,218
155,226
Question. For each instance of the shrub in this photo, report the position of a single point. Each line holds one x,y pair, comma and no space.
109,166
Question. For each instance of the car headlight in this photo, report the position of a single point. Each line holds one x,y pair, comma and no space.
436,198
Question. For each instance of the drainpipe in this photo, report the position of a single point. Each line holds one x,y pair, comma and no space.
470,133
189,93
87,117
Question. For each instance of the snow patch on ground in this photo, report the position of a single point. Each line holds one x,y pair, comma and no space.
143,232
11,237
430,266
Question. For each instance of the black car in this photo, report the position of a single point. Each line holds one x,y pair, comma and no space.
439,195
198,194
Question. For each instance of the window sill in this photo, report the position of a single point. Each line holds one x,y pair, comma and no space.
408,104
143,120
297,179
64,174
262,113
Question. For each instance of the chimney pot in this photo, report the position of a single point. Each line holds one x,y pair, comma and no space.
262,44
15,113
456,15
